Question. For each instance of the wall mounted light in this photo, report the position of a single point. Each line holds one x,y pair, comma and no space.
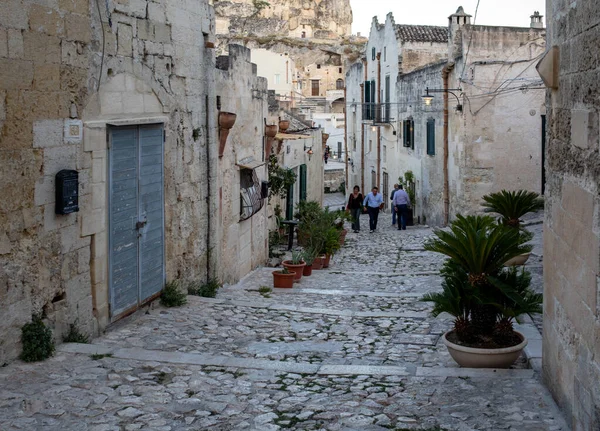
428,98
374,128
310,152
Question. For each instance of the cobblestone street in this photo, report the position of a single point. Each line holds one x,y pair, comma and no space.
349,348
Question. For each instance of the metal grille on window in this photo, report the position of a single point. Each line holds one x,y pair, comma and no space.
251,200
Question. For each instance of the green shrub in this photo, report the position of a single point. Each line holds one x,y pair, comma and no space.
37,341
206,290
75,336
172,296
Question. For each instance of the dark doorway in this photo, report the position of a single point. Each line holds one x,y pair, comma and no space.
315,87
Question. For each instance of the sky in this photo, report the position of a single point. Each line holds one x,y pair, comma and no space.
510,13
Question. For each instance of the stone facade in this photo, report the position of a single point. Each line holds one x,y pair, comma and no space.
280,71
244,243
571,361
494,142
322,19
68,79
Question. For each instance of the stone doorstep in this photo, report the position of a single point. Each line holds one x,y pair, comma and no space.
138,354
341,271
308,310
533,350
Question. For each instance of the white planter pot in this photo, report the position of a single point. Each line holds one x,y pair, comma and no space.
470,357
518,260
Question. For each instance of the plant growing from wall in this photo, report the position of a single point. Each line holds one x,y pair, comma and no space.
280,179
206,290
75,335
172,295
37,340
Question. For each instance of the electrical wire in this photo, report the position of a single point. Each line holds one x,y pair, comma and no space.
103,45
462,74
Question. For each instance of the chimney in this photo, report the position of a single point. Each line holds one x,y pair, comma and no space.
536,20
456,22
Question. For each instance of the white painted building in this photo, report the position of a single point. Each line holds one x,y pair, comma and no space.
280,70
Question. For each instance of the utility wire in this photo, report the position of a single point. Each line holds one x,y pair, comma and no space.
462,74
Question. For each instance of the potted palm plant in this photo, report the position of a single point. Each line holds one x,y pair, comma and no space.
283,278
295,264
309,256
483,296
511,206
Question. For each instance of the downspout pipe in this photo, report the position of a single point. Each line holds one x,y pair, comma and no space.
208,189
377,115
445,77
346,137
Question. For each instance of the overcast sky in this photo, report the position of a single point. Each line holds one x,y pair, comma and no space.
513,13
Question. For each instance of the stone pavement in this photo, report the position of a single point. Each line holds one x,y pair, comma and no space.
334,201
349,348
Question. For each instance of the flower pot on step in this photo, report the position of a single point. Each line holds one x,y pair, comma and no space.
518,260
343,234
471,357
283,280
297,268
318,262
326,261
307,271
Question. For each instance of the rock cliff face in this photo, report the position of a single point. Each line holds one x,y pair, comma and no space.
320,19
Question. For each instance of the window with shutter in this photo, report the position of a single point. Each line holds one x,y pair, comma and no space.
431,137
367,107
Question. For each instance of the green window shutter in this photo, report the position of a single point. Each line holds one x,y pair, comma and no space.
302,182
405,132
431,137
411,134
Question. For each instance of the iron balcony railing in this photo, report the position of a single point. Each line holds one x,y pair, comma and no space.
377,112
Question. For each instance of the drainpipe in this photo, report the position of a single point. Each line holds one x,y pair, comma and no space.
362,126
445,75
346,136
208,189
378,128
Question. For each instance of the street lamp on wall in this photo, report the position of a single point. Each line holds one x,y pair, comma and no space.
310,151
428,98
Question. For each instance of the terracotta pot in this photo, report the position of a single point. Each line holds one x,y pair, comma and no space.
283,280
226,122
343,234
326,261
270,131
307,272
518,260
284,125
470,357
318,263
297,268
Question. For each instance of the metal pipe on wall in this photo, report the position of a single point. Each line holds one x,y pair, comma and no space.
346,137
445,75
376,114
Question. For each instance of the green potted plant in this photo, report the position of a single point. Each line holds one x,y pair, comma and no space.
511,206
309,257
283,278
295,264
331,244
483,296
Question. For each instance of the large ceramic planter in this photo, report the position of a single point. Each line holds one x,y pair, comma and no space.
518,260
307,271
297,268
318,262
282,280
326,261
470,357
284,125
226,122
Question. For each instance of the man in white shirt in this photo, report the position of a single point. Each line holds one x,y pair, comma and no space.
401,203
373,202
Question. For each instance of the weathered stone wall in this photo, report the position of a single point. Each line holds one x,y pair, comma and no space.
333,179
419,54
497,144
315,18
151,64
244,244
571,364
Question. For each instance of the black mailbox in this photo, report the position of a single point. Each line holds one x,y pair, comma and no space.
67,192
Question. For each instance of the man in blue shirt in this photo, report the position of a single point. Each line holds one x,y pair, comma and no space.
393,207
401,203
373,202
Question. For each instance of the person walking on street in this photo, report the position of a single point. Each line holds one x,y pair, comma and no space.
373,202
401,203
355,206
393,207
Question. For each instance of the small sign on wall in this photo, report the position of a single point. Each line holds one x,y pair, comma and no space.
73,131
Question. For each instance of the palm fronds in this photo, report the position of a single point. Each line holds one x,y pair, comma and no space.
511,206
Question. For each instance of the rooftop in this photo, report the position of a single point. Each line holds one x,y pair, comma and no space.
422,33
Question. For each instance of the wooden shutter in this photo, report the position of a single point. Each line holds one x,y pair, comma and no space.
431,137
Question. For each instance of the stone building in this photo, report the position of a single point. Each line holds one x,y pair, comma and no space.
571,363
126,102
494,123
280,71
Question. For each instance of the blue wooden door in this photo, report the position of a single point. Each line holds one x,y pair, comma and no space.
136,216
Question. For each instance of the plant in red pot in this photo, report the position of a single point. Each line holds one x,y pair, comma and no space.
295,264
283,278
309,257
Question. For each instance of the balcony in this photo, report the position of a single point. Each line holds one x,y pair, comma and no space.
378,113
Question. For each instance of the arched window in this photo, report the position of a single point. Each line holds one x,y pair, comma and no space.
339,84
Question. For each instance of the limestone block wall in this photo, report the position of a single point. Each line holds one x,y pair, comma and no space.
244,244
137,63
571,363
